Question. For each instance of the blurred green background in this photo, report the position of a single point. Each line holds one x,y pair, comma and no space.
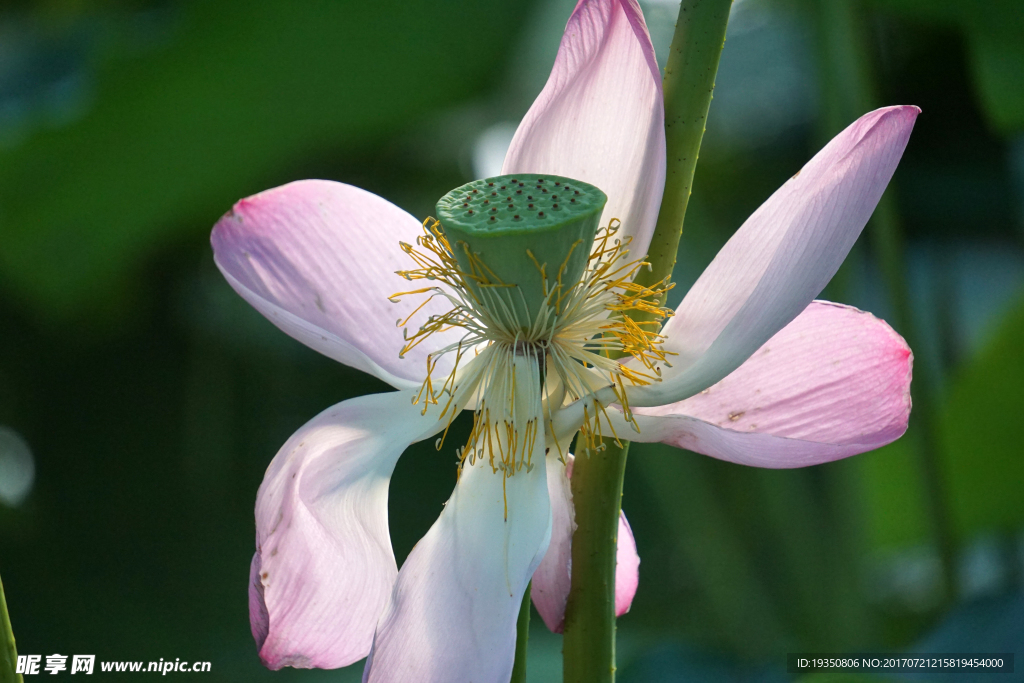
141,399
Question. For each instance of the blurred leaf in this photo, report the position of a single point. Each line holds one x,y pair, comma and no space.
893,495
238,96
842,678
982,433
994,30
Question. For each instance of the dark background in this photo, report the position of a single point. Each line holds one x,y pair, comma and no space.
141,399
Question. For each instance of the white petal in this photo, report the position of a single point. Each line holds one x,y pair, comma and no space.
452,615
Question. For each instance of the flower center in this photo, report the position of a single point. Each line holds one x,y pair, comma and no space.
504,229
543,298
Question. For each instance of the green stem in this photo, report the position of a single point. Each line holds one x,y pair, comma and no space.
522,638
8,652
689,85
589,643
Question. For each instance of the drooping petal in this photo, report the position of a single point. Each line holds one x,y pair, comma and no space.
627,567
781,257
324,566
600,118
318,259
551,581
834,382
452,614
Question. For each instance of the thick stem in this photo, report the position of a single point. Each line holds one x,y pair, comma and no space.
688,85
8,652
522,638
589,643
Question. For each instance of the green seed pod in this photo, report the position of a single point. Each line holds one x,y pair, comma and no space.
494,225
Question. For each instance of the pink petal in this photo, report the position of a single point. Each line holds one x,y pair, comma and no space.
452,615
552,579
834,382
550,589
781,257
601,118
317,258
627,567
324,566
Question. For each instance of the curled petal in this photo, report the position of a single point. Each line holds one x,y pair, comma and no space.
324,566
834,382
781,257
600,118
551,581
318,259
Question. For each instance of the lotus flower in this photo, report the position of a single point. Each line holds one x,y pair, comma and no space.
749,369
